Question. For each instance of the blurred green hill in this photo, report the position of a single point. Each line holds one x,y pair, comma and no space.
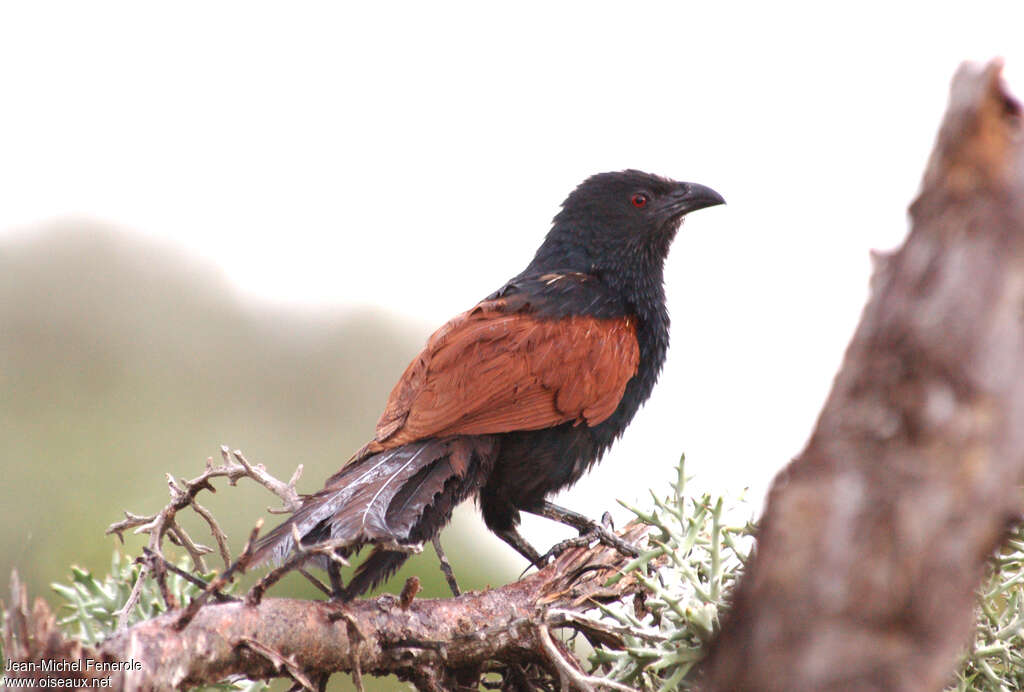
122,359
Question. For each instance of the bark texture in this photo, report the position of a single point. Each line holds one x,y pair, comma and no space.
875,538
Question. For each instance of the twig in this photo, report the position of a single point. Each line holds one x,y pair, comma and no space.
290,499
569,673
302,554
279,662
599,632
125,611
160,574
218,533
314,581
409,591
356,639
217,584
446,567
183,495
187,576
194,550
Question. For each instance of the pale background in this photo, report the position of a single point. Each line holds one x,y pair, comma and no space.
409,157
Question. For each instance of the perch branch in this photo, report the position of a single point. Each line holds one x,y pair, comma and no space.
428,642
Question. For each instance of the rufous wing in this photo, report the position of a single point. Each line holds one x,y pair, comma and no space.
490,370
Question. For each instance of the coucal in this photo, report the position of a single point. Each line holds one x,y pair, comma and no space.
514,399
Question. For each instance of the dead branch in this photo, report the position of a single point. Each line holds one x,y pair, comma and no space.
875,539
183,495
432,642
569,671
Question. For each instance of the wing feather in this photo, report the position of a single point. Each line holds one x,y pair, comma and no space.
492,370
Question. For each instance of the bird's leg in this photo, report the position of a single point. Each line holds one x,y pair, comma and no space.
514,539
446,567
337,587
589,530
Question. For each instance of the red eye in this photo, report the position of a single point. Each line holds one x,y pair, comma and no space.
639,200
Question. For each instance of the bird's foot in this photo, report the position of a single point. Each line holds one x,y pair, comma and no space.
590,531
596,533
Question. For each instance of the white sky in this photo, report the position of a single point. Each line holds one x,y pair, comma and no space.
411,155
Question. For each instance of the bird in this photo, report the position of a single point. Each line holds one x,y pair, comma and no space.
516,398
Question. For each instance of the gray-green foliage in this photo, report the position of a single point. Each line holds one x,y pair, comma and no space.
91,606
995,662
699,554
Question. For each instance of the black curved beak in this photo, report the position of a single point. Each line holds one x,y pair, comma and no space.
691,197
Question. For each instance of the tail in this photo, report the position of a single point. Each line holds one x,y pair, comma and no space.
400,496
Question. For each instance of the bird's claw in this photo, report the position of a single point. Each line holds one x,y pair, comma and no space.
587,536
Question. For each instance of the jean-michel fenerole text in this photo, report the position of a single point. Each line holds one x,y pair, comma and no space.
86,665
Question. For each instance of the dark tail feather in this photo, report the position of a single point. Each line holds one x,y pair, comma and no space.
400,496
374,570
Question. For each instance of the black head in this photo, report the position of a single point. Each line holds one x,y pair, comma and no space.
620,222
